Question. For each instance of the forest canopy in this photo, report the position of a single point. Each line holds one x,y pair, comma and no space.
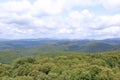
100,66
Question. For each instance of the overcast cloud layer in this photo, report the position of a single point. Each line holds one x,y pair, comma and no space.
61,19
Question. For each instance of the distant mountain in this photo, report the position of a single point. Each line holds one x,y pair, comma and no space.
23,43
94,46
35,46
112,41
2,40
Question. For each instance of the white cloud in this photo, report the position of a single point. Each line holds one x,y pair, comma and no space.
58,19
51,7
15,6
111,4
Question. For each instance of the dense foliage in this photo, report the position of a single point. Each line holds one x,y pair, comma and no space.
6,57
101,66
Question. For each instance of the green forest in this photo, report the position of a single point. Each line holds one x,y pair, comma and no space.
59,39
62,66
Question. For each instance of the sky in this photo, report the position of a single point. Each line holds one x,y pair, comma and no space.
59,19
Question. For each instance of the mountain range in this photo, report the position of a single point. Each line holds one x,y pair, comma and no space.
35,46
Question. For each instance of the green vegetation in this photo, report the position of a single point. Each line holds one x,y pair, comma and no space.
100,66
35,46
92,47
7,57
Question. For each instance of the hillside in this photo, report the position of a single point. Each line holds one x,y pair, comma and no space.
101,66
7,57
32,47
28,47
94,46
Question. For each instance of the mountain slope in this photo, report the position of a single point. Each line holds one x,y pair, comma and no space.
36,46
97,47
6,57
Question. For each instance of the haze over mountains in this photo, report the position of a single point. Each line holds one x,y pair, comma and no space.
32,46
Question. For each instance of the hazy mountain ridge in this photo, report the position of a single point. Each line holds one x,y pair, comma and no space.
34,46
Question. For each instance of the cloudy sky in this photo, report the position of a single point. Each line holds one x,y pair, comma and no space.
61,19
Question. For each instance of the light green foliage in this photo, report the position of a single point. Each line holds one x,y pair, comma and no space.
101,66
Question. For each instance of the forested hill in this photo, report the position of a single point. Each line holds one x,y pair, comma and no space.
35,46
100,66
